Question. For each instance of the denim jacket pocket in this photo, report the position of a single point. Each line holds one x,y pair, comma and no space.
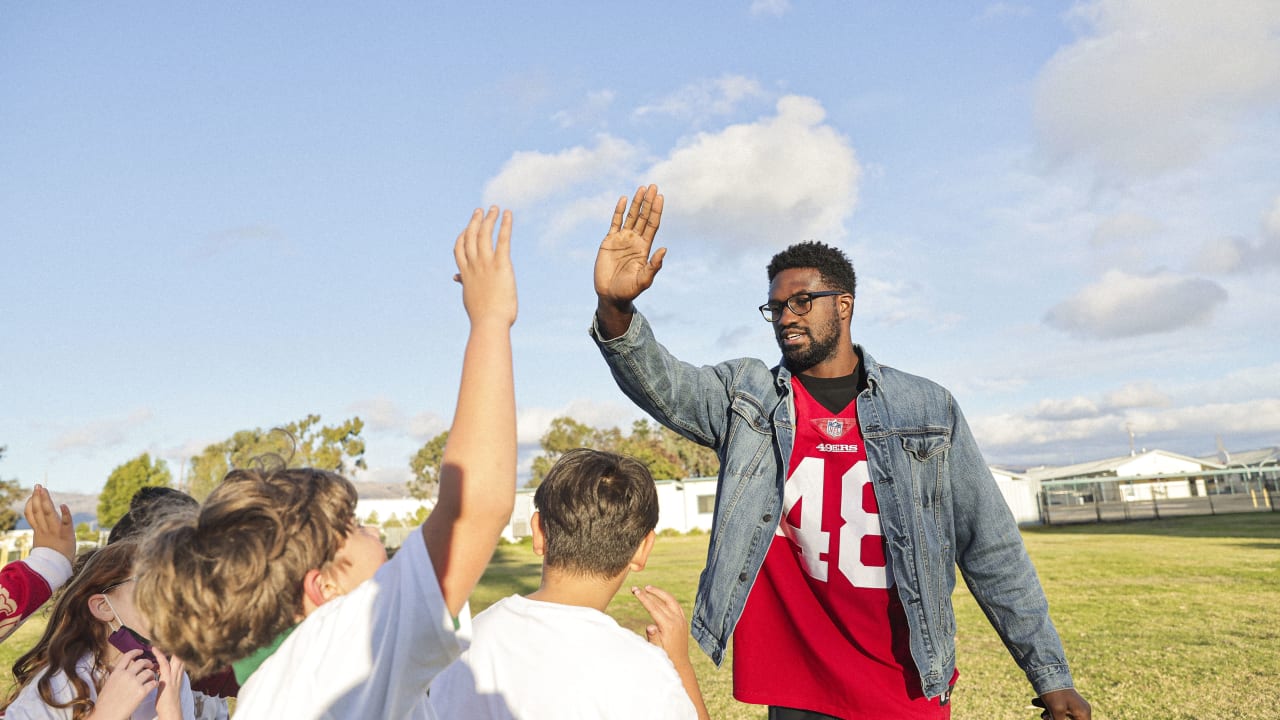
926,450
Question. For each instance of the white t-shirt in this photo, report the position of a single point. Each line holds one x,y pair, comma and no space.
30,706
530,659
368,654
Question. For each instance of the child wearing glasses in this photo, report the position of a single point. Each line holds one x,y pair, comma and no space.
276,576
91,661
25,585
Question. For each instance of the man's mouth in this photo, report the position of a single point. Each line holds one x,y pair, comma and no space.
791,337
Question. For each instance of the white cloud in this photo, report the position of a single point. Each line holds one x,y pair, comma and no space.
1237,254
1151,85
380,413
532,422
785,178
776,8
1123,305
1124,227
106,433
590,112
1271,225
531,177
426,425
1136,395
706,98
1069,409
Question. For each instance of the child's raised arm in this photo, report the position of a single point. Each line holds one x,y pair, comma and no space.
49,528
477,476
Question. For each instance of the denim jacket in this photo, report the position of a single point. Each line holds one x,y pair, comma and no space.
939,506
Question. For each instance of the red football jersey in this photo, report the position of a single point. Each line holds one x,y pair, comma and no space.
823,629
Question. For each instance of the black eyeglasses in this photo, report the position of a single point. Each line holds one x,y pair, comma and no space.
800,304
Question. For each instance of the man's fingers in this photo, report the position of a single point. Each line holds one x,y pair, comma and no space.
634,213
619,211
654,218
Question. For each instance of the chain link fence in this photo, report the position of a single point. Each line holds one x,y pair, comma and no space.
1207,492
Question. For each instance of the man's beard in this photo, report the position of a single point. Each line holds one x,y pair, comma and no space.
821,346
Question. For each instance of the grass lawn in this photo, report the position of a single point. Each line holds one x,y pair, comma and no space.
1175,619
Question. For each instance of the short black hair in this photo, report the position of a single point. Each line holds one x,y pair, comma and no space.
148,506
830,262
596,508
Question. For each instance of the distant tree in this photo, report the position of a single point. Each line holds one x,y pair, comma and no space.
10,494
393,522
425,465
84,533
667,455
303,443
372,519
126,480
420,516
565,434
698,460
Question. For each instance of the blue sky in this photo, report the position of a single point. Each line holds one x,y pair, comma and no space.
229,216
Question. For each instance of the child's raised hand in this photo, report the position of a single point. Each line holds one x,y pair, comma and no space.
169,699
669,631
49,529
127,685
488,280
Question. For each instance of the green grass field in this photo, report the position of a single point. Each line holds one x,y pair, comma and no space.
1175,619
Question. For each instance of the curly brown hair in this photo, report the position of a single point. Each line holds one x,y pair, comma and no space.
222,583
74,632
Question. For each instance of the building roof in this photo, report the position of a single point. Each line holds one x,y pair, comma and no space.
1108,467
1247,458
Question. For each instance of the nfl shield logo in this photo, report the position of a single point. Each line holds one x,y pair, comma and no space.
835,428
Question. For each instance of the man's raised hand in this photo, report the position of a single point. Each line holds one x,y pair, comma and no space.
624,268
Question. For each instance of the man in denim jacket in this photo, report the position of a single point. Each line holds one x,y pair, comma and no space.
938,506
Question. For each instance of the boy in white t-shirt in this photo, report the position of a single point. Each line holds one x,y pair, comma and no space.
276,576
555,653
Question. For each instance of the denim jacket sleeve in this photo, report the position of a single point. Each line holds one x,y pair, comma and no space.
995,566
690,400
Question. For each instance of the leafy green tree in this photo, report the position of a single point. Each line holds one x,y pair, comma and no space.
420,516
667,455
698,460
425,465
126,480
85,534
10,493
565,434
303,443
372,519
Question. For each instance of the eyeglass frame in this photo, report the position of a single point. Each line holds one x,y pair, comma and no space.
775,309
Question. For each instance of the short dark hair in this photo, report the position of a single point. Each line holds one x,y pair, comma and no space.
830,262
596,508
149,506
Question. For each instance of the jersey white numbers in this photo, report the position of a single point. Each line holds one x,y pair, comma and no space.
807,484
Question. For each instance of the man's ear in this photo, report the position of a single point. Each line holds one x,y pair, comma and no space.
846,306
539,539
641,555
100,610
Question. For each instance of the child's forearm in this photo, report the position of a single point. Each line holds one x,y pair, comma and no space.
477,477
690,681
